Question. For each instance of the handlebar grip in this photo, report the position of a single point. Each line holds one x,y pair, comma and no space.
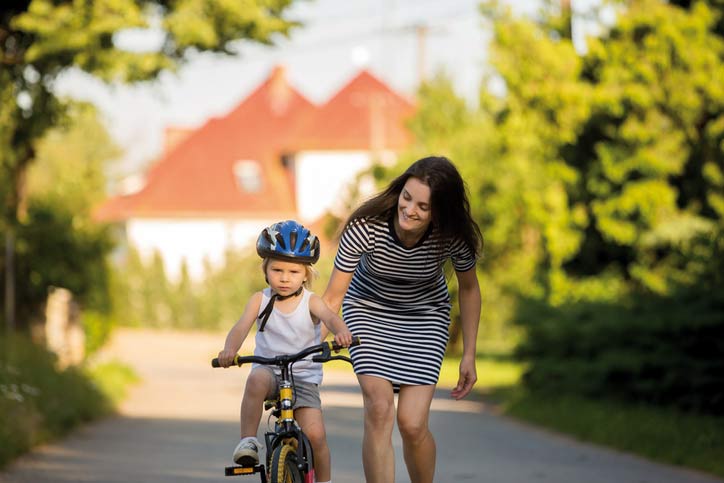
355,341
235,362
331,358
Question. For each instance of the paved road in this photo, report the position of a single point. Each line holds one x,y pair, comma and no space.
181,425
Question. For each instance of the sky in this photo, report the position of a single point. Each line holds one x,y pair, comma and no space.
337,40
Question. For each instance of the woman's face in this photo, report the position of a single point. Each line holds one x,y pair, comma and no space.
413,206
285,278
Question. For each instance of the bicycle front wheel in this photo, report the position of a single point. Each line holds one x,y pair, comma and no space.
284,467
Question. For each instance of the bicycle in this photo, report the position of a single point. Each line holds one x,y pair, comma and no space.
289,456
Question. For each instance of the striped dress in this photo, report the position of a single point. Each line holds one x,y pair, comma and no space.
398,302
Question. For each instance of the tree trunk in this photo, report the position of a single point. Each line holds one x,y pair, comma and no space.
16,210
10,278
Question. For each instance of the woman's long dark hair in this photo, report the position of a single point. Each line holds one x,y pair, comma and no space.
451,216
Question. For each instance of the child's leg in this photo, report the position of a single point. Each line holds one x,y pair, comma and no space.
311,422
259,386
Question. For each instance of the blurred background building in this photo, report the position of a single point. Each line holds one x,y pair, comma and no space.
274,156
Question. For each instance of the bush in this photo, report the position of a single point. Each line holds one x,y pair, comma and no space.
143,295
659,350
39,402
55,249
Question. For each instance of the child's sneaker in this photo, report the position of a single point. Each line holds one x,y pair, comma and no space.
247,452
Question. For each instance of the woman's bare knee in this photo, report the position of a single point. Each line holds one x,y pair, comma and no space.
378,401
379,411
414,412
412,429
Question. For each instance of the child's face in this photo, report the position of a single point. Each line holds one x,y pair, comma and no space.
285,278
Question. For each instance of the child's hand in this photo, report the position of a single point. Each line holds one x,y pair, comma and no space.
226,357
343,337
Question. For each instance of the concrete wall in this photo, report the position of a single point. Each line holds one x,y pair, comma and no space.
322,179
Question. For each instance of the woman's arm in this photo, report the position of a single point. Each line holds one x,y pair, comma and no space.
334,294
470,302
237,334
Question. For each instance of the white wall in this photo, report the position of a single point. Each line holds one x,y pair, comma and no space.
322,178
192,240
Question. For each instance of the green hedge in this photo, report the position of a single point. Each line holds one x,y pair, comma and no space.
663,351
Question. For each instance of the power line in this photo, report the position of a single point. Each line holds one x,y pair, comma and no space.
333,41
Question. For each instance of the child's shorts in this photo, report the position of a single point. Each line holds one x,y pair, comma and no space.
306,393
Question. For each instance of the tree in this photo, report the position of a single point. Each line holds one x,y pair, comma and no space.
650,157
40,39
594,175
58,243
619,148
622,146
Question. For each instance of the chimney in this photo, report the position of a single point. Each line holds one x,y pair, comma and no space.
280,93
173,137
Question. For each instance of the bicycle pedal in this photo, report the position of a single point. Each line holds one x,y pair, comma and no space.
244,470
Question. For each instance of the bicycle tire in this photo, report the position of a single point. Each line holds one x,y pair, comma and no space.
284,467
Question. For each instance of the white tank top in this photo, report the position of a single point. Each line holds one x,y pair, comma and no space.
288,334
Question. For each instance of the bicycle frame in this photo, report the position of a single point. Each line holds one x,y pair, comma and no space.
287,446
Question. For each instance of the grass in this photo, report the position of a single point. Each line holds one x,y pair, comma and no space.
39,402
113,379
661,434
493,373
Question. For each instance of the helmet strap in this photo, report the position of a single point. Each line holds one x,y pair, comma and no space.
264,315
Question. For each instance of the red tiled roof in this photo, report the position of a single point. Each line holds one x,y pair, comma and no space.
364,114
196,176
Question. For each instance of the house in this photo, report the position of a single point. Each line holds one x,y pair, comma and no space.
275,156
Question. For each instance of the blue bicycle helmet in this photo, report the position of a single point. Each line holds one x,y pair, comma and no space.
289,241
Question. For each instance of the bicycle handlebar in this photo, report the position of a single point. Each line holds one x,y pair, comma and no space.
325,348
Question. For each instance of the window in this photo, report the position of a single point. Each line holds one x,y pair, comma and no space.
248,175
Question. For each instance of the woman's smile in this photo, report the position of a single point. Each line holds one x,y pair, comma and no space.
413,209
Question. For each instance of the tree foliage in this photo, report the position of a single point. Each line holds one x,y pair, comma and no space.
143,295
58,244
598,179
616,154
637,290
40,39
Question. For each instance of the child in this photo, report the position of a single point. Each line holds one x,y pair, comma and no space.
287,316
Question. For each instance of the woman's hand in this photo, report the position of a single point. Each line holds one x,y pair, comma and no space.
468,377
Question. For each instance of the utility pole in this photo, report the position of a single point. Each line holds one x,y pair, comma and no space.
421,30
378,124
567,17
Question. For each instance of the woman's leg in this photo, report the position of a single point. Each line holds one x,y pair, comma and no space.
418,444
379,412
259,385
311,422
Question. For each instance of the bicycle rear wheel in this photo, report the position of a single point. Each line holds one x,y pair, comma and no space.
284,467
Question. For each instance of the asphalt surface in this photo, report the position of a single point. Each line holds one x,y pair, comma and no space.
181,425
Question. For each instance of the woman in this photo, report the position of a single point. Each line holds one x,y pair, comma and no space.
388,277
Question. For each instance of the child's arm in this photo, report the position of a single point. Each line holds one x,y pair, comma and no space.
332,321
237,334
